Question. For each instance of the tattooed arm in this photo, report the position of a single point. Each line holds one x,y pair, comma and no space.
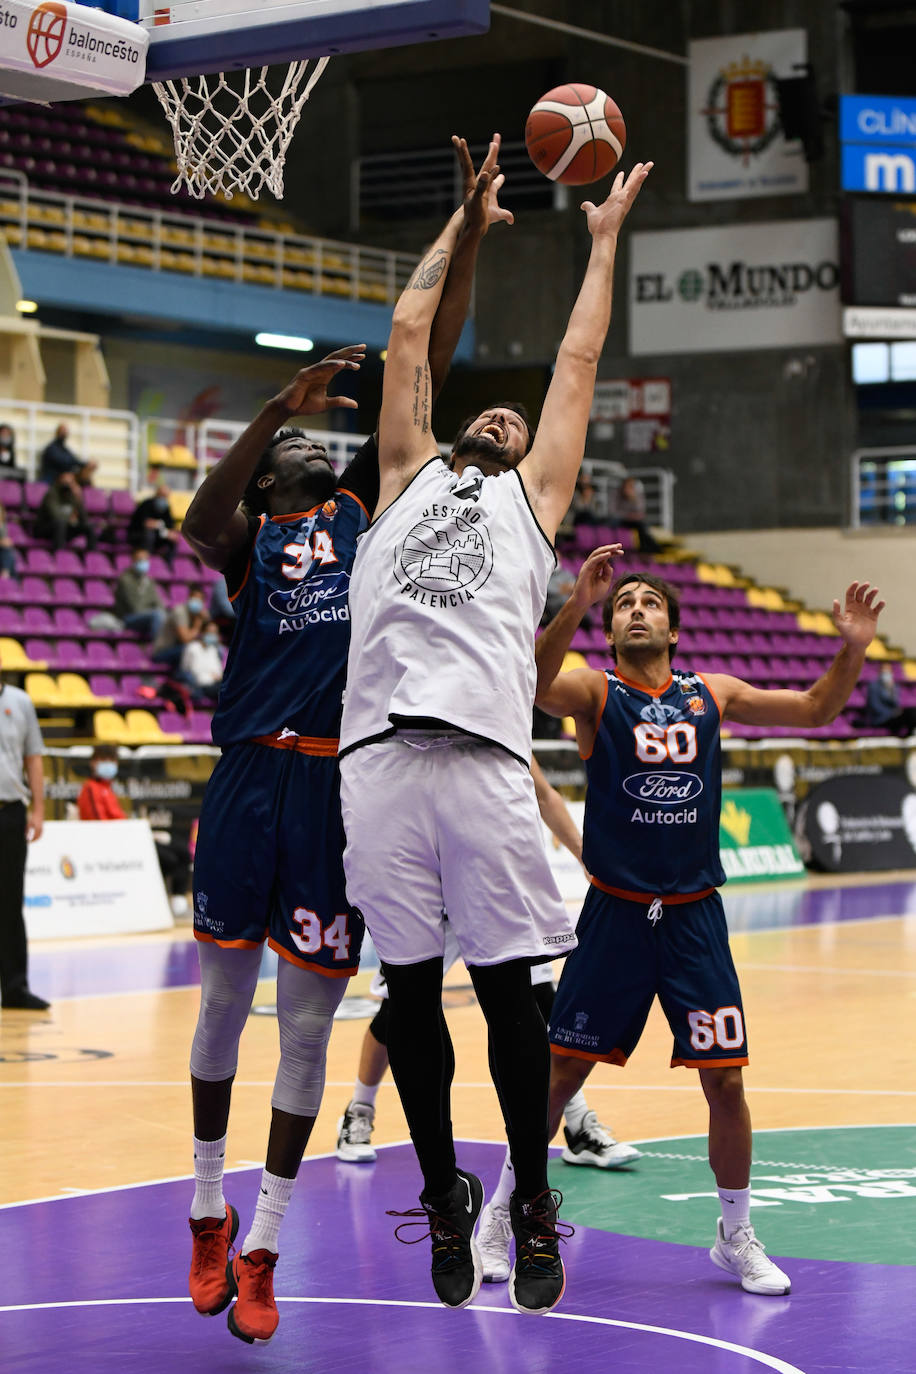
406,439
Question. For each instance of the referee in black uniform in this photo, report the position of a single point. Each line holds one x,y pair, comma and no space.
21,749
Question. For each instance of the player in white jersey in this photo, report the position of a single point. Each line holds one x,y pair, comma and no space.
448,587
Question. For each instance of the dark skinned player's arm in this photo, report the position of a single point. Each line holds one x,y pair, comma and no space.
214,526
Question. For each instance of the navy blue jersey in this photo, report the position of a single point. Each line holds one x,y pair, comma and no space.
654,789
288,657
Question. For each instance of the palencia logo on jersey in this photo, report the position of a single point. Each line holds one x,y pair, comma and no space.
317,600
447,556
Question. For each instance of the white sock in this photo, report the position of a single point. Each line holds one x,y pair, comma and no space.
273,1200
736,1208
209,1163
365,1093
505,1186
574,1112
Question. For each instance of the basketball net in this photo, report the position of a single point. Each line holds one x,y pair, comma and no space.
228,140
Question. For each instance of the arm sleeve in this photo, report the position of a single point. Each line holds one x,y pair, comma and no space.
360,476
237,567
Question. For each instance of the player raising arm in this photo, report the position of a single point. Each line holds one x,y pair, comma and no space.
653,924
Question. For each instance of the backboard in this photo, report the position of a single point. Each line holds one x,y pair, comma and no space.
191,37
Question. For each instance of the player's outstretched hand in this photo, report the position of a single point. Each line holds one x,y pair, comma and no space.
481,189
607,217
307,393
596,575
857,619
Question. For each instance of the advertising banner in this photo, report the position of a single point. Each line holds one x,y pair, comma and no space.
53,50
94,878
856,824
736,147
754,837
735,287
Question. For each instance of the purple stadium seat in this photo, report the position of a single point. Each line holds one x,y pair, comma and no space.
67,563
10,591
16,533
71,656
121,560
11,496
131,685
36,592
97,593
67,621
37,620
34,494
11,620
100,655
41,650
196,728
95,500
122,504
69,591
186,570
103,685
98,564
131,655
159,570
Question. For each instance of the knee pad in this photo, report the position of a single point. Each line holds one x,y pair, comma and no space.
306,1003
228,978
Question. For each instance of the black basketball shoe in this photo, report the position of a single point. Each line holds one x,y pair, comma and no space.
456,1267
538,1278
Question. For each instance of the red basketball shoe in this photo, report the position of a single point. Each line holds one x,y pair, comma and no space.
209,1286
254,1318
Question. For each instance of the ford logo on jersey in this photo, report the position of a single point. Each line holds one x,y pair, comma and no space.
667,789
310,595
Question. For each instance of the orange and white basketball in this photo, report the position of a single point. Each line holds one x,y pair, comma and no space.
575,134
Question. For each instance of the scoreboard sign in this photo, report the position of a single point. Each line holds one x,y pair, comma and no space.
879,257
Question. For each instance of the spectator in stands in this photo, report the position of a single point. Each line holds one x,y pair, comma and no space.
882,705
183,623
97,802
630,512
62,513
137,602
202,665
8,466
221,609
57,457
583,509
7,551
152,525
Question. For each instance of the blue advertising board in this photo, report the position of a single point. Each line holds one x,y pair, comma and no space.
878,119
883,169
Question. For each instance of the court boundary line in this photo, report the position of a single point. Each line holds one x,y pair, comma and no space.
758,1356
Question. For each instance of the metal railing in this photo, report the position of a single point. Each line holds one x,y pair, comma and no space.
657,485
425,183
110,438
131,235
883,486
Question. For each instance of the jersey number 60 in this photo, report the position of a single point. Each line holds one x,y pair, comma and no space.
661,743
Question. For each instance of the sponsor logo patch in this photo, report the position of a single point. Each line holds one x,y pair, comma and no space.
666,789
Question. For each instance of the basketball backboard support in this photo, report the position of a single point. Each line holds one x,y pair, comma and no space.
194,37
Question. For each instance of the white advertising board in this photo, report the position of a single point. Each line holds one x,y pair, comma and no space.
736,147
739,286
53,50
94,878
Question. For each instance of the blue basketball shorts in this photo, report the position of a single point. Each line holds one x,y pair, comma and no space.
269,859
629,953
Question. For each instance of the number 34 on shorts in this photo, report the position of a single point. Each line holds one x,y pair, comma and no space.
310,937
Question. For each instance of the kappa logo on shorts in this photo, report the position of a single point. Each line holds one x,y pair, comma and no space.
446,558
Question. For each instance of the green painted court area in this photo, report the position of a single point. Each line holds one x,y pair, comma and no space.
844,1194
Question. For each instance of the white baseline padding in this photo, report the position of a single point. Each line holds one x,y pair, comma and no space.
52,50
94,878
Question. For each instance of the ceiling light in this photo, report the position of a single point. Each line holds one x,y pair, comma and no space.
294,342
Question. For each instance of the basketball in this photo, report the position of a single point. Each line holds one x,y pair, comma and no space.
575,134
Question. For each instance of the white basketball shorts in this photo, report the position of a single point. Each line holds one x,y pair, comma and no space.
449,823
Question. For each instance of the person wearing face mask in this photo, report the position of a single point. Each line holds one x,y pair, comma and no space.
97,801
202,664
152,525
182,625
137,600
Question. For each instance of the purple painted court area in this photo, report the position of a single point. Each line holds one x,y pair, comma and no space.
99,1282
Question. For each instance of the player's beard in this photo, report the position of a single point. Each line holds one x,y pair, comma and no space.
481,451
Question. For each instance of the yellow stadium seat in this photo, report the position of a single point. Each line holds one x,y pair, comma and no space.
182,457
73,690
109,727
15,659
142,727
909,667
877,649
42,688
157,455
179,502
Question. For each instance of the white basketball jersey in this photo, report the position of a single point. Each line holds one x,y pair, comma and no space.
447,589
